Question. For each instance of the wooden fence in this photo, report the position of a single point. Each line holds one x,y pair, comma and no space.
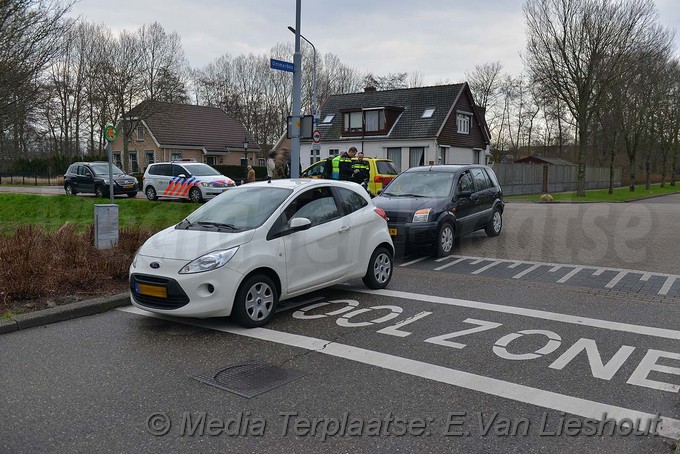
32,179
525,178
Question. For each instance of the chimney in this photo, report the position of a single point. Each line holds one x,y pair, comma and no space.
369,88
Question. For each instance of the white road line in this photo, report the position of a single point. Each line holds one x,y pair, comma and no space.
414,261
449,264
525,272
554,316
569,275
615,280
477,262
667,286
668,427
484,268
515,265
448,257
554,268
645,277
597,273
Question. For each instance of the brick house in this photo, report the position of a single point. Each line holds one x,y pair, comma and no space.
414,126
163,132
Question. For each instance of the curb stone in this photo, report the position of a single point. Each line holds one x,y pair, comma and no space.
65,312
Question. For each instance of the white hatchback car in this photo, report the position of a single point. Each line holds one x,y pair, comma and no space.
257,244
185,180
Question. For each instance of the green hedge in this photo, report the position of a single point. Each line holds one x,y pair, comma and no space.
238,173
55,165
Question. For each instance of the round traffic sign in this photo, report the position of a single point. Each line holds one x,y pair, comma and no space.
316,136
110,133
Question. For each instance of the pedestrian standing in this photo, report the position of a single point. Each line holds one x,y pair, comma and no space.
280,166
271,163
361,169
251,174
342,165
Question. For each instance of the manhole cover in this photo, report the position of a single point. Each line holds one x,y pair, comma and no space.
249,380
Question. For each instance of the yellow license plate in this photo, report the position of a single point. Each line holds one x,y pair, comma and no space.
152,290
393,232
128,186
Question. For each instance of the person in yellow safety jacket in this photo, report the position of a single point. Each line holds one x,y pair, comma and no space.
361,169
342,165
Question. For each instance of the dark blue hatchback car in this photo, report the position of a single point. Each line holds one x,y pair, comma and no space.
432,205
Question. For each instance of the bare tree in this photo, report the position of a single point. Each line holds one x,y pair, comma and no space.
30,32
576,49
484,82
164,65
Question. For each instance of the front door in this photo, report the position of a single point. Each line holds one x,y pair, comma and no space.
466,206
315,256
85,179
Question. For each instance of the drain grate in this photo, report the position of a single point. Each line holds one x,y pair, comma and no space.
250,380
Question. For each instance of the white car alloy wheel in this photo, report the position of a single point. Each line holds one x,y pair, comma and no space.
379,270
255,302
259,301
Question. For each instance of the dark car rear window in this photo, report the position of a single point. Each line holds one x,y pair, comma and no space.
386,168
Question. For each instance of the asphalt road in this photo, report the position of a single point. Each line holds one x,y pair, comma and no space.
523,343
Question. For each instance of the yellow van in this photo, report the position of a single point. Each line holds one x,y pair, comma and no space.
382,171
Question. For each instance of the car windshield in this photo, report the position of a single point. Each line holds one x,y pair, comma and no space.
103,169
201,170
237,209
420,184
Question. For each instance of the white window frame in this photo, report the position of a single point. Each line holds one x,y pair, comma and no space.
140,132
314,156
133,167
328,118
175,155
394,154
463,122
333,152
150,153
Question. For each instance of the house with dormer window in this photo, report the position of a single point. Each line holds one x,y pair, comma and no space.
164,132
412,127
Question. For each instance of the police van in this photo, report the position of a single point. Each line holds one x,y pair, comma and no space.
186,179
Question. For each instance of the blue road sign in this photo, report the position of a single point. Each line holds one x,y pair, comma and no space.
282,65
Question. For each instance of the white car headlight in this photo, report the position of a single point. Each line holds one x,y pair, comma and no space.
210,261
422,215
106,181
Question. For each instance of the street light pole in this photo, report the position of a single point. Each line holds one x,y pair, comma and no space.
314,106
297,83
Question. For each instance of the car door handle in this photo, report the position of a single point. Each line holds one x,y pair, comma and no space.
344,228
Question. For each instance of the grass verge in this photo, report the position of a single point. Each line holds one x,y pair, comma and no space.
53,212
602,195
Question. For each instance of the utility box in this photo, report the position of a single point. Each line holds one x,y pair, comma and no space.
105,226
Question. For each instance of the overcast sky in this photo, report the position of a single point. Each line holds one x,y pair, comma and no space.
441,39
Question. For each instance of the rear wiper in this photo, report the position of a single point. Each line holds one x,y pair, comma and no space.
219,225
